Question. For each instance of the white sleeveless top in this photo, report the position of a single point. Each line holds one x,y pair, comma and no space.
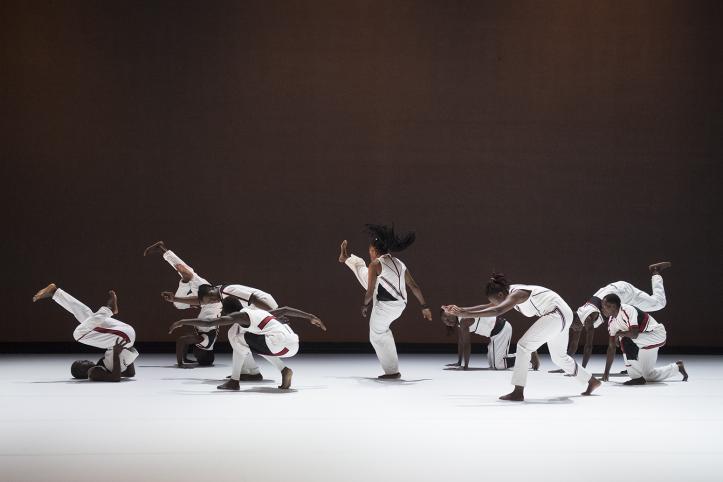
541,301
392,277
483,325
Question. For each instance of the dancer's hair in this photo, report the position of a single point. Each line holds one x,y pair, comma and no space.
385,240
203,290
79,369
613,299
204,358
231,305
498,283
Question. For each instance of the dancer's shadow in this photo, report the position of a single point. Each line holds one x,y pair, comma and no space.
528,401
190,366
375,380
206,381
649,384
72,381
470,369
612,375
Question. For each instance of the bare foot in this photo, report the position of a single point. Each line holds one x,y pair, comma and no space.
343,254
390,376
592,385
636,381
535,360
112,302
229,384
516,395
247,377
46,292
656,268
681,368
286,375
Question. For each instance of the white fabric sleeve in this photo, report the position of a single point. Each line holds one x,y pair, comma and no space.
359,268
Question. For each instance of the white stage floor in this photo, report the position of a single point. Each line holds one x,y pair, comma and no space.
340,424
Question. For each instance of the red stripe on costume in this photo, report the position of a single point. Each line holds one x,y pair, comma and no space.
265,322
650,347
282,352
644,324
117,333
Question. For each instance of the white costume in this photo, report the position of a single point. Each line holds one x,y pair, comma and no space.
555,318
188,289
499,331
266,336
642,352
243,359
629,295
100,330
390,299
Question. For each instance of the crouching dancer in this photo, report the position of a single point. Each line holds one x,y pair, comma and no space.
257,331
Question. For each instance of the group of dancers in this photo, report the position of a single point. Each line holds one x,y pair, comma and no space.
259,326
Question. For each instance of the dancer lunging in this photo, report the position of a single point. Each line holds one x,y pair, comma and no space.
385,282
101,330
262,333
555,317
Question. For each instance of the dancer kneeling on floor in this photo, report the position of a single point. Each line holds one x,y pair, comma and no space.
257,331
640,338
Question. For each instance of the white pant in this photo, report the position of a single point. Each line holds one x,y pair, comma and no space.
645,367
642,300
552,329
243,359
359,267
499,348
99,329
383,315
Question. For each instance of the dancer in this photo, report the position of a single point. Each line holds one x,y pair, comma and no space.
100,330
588,315
385,281
496,333
248,297
262,333
555,317
640,338
201,341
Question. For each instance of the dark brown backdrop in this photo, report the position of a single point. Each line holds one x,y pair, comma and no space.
568,144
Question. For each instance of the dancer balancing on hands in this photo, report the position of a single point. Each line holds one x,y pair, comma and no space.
385,282
555,317
201,339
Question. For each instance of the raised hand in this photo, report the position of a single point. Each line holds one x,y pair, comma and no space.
343,254
119,345
157,247
452,309
167,296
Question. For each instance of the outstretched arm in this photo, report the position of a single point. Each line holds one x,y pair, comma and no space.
210,322
417,291
587,351
609,359
296,313
512,300
172,298
466,340
99,374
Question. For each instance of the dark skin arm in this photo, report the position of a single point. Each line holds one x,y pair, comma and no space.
459,348
99,374
243,319
172,298
589,334
466,340
510,301
375,269
610,358
417,291
295,313
575,332
182,344
157,246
